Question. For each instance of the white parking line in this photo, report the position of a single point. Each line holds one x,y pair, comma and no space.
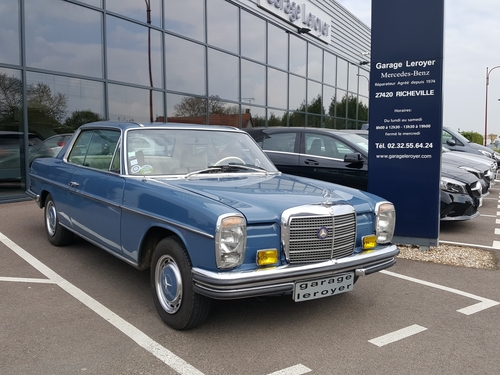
27,280
294,370
496,244
484,303
397,335
147,343
472,245
160,352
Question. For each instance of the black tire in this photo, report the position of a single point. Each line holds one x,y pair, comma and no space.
57,234
172,286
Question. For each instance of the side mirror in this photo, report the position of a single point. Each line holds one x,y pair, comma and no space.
353,158
451,142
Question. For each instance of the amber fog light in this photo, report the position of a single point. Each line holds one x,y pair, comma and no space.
267,257
369,242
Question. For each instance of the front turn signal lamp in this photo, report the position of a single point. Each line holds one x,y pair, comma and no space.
267,257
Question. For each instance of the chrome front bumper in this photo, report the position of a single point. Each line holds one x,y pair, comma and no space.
235,285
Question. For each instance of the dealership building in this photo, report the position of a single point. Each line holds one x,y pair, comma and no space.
242,63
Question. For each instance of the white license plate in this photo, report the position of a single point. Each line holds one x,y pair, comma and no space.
318,288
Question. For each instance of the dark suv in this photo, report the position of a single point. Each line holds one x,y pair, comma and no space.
324,154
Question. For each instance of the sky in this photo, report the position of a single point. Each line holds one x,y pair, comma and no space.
471,44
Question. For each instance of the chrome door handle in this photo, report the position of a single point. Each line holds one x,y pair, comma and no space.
74,184
311,162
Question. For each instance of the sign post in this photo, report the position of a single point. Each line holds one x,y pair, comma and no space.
406,114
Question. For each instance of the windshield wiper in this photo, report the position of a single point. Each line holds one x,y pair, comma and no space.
228,168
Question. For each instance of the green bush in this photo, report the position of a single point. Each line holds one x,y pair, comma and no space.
474,137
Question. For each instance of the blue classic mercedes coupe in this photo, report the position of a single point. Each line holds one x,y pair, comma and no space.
205,209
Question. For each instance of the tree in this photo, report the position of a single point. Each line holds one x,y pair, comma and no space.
348,107
492,137
79,118
474,137
191,106
315,105
11,101
274,120
298,118
51,106
45,109
258,120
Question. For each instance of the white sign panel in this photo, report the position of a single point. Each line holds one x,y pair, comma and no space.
302,15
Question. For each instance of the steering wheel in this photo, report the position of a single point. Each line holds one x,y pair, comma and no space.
228,158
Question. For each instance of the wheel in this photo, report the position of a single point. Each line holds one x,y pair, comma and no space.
172,286
57,235
228,158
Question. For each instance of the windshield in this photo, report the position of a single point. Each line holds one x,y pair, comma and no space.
457,135
356,139
184,151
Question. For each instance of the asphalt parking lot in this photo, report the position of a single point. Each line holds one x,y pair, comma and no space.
79,310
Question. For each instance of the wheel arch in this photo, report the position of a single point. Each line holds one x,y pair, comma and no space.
43,198
151,239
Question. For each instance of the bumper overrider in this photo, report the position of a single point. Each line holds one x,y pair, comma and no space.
282,279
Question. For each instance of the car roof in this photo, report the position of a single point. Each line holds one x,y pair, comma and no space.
13,133
167,125
301,129
355,131
337,132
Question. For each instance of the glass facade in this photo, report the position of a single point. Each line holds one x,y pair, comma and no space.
67,62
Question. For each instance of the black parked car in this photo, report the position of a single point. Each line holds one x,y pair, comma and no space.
460,194
342,157
480,169
323,154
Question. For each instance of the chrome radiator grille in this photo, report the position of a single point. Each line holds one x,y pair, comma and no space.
319,238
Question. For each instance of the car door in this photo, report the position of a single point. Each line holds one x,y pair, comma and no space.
323,158
96,187
451,142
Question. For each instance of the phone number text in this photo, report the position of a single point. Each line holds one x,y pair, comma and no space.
403,145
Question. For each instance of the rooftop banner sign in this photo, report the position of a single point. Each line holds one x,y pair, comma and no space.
303,15
406,114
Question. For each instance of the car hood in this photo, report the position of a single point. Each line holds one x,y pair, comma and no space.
263,199
448,158
479,147
476,158
451,171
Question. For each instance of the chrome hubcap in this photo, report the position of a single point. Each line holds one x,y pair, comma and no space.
168,284
51,218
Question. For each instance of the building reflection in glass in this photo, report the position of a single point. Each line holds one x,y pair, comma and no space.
154,60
